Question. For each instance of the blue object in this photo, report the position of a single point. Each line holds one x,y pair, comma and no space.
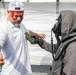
0,69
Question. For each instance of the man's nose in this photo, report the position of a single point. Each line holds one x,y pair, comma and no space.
19,18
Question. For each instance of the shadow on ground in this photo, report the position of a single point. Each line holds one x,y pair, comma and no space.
41,70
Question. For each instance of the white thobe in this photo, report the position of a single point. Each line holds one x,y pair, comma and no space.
15,49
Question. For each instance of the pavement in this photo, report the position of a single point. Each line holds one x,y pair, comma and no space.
41,70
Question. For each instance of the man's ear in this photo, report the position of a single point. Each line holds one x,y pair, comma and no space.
7,11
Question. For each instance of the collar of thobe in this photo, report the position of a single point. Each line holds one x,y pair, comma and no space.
11,25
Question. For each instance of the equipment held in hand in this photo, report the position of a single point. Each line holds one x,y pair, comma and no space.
30,38
33,39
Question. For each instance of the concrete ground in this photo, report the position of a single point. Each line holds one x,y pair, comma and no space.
41,70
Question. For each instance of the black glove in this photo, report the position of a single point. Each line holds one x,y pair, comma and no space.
34,40
40,42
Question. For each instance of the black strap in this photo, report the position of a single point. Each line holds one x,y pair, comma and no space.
62,66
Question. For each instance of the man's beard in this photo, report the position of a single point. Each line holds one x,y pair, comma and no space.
16,24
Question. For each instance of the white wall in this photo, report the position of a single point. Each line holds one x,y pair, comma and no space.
43,0
67,0
33,0
12,0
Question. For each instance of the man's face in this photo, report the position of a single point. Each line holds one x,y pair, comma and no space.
17,17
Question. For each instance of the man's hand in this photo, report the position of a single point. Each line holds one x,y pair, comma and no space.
41,35
1,60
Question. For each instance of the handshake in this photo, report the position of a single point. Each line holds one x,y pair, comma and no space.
34,40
